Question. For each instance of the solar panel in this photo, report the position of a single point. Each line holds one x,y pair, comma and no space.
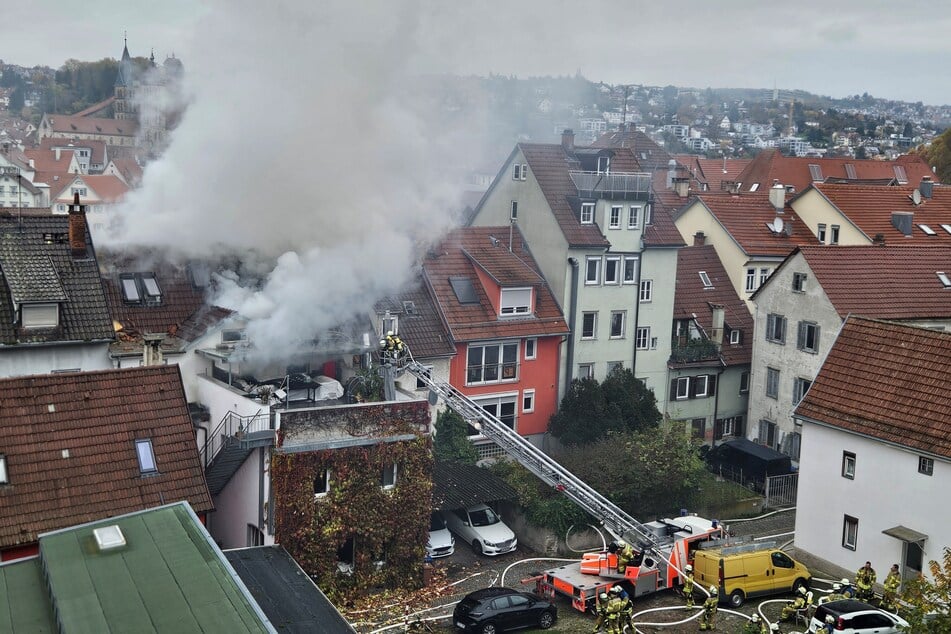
465,292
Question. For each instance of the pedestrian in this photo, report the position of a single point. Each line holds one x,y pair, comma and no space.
688,585
601,609
790,609
709,615
865,582
892,583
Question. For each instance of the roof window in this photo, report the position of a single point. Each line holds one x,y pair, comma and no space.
143,449
816,172
3,470
465,292
946,228
850,171
900,175
705,279
140,288
928,230
945,281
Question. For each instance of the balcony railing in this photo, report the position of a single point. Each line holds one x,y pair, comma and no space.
612,185
691,350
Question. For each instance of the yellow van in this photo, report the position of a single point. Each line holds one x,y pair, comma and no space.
748,573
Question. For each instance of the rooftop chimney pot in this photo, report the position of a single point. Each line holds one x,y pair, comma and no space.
568,139
777,196
699,239
926,187
77,228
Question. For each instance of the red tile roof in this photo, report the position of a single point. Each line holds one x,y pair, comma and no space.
129,168
422,329
792,170
98,147
648,154
713,172
692,298
73,124
46,161
746,216
109,188
885,282
459,255
69,442
887,381
870,209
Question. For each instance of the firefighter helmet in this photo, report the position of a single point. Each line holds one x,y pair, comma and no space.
615,590
836,586
603,596
688,568
845,581
621,543
774,627
802,590
713,590
754,618
830,619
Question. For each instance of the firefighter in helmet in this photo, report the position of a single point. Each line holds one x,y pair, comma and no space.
865,582
790,609
709,615
834,595
614,610
688,585
602,611
829,626
625,553
755,626
627,608
774,627
848,592
892,582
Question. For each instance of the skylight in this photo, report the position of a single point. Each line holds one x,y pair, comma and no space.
945,280
900,175
705,279
3,469
151,286
850,171
946,228
816,172
754,187
928,230
130,290
143,449
465,292
109,537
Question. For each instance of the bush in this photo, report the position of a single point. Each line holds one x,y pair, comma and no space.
543,505
451,443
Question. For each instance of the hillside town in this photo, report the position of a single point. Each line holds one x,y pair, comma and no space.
754,286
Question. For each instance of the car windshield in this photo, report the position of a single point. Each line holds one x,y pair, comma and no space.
436,522
483,517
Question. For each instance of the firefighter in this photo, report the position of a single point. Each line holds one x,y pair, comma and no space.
755,626
865,582
835,595
774,627
829,626
391,345
627,608
615,607
848,592
892,581
625,553
602,611
790,609
688,585
709,616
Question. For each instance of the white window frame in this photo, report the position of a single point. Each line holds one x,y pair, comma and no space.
146,456
734,336
634,217
531,348
645,293
764,273
632,278
39,315
615,279
705,279
606,169
587,213
834,231
4,476
498,400
642,338
623,316
594,325
802,337
501,365
585,370
744,383
750,279
391,468
320,494
528,401
701,385
821,233
799,282
926,465
512,301
596,260
682,388
614,217
517,172
513,213
524,171
850,532
848,465
648,215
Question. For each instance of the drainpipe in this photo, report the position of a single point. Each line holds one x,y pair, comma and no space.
572,319
716,404
637,306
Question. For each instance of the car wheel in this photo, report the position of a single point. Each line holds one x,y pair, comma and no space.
799,583
488,628
546,620
737,598
477,549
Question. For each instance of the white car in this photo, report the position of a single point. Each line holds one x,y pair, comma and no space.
481,527
856,617
441,543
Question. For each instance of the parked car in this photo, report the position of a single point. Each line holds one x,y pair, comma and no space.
492,610
441,543
481,527
856,617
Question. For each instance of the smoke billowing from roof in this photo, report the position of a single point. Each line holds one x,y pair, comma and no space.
304,151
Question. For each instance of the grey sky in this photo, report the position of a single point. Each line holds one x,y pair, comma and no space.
889,49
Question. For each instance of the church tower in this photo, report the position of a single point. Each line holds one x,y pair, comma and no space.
124,105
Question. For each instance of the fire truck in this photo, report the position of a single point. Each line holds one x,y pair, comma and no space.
662,547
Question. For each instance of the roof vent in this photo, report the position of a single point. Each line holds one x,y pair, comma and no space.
109,537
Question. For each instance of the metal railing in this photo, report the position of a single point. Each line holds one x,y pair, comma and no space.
781,490
693,350
612,184
232,427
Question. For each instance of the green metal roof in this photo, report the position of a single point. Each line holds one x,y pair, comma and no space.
24,603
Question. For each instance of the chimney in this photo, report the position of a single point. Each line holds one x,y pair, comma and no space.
77,228
568,139
926,187
902,220
777,196
879,239
671,173
57,150
32,164
716,333
699,239
681,186
152,349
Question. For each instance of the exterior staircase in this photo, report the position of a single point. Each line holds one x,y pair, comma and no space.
230,444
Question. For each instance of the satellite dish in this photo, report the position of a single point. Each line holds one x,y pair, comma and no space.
777,225
916,196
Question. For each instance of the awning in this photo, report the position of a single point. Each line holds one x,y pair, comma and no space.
906,534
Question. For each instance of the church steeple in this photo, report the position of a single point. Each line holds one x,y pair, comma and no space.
124,76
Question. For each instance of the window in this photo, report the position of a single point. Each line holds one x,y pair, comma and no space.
151,288
130,290
587,213
744,383
143,449
928,231
617,324
615,219
322,483
732,426
420,384
528,401
705,280
515,301
698,427
800,387
388,479
228,336
799,282
589,325
39,315
390,323
914,556
463,289
633,217
592,271
4,479
502,407
648,215
630,271
531,346
764,275
513,214
750,280
816,172
255,536
848,465
524,171
925,465
834,234
585,370
944,279
735,336
776,328
701,385
772,382
681,388
850,532
900,174
767,433
604,164
77,190
808,336
612,270
492,362
517,172
643,338
646,291
821,234
614,365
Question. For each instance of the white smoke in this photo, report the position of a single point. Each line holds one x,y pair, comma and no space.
306,145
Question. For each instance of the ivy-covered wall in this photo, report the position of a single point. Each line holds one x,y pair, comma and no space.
390,524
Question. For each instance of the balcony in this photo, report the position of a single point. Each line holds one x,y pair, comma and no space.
684,350
613,185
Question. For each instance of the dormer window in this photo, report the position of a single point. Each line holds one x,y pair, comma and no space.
39,315
587,213
604,164
515,301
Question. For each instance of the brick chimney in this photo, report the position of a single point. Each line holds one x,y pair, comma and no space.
77,228
681,186
568,139
699,239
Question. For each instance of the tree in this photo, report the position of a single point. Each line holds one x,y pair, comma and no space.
860,152
930,601
452,439
938,155
583,414
636,405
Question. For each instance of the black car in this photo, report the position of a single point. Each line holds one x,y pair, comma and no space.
492,610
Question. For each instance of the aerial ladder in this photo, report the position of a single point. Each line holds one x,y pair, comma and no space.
664,545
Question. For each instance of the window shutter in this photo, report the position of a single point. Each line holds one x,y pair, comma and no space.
782,335
712,384
740,427
693,385
718,429
801,336
673,389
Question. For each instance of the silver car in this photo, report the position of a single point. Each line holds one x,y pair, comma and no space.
441,543
483,529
